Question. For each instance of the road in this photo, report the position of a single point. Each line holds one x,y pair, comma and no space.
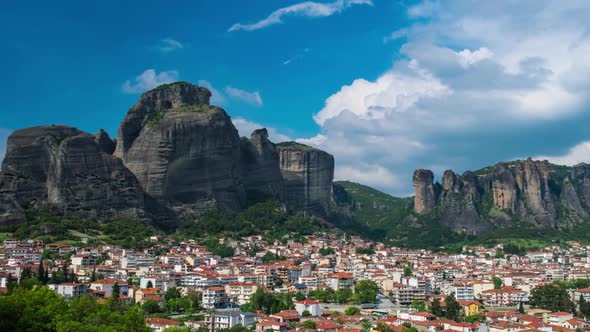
383,304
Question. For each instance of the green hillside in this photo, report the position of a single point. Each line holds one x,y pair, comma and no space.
366,211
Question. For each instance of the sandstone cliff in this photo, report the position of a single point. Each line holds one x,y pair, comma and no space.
536,193
182,150
65,167
175,157
260,166
307,176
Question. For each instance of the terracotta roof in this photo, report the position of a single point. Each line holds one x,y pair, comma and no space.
161,321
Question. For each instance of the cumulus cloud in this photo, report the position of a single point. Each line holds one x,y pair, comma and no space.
168,45
149,79
252,98
368,175
307,9
477,83
580,153
246,127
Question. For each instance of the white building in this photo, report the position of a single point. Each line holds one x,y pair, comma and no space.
313,307
69,290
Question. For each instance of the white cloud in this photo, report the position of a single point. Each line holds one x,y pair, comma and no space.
148,80
316,140
4,133
468,58
391,92
168,45
217,97
577,154
307,8
246,127
473,83
245,96
424,9
367,175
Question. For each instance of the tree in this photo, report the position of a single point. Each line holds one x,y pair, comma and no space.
151,307
366,326
93,275
551,297
343,295
497,282
365,291
309,324
149,284
327,251
584,306
177,329
473,318
299,296
65,273
351,311
41,309
452,307
407,271
172,293
521,308
25,274
381,327
41,273
115,292
418,305
435,308
306,313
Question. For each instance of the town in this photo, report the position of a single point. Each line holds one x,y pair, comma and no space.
327,282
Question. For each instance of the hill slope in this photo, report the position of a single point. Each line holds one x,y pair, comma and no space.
366,211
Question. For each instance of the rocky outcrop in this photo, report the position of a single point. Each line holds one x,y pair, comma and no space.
425,200
525,191
151,105
458,199
175,157
104,142
307,177
182,150
64,167
260,167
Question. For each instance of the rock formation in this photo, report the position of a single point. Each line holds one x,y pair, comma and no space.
175,157
526,191
307,176
65,167
425,200
260,165
183,150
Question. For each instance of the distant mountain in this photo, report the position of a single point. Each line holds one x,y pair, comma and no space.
524,202
532,193
366,211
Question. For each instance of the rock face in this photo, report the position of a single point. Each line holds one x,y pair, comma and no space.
307,176
525,191
260,166
151,104
185,152
175,157
425,200
65,167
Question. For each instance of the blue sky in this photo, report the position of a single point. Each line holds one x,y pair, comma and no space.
386,86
